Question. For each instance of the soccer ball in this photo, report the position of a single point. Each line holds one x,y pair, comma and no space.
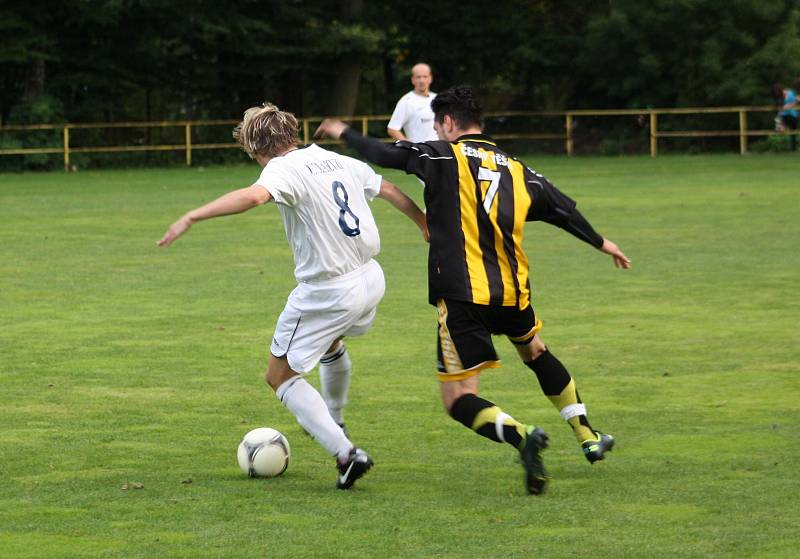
263,452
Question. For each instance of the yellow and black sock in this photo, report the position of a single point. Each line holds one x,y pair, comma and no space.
488,420
559,387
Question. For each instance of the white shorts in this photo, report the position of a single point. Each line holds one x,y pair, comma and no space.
318,313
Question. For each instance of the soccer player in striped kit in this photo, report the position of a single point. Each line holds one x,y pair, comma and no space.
478,198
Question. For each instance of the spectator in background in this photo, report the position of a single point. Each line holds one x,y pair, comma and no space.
786,120
412,118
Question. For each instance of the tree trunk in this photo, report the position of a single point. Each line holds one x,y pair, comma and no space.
345,88
348,68
34,80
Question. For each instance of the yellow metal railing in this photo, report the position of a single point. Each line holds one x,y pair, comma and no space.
567,136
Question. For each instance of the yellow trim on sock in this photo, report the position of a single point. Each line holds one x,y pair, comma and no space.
486,415
489,416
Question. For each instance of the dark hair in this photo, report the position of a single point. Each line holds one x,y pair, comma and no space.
460,104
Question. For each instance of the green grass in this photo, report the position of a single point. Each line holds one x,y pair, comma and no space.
124,363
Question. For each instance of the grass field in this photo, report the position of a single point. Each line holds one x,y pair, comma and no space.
126,364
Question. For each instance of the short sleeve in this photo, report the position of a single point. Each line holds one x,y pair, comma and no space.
276,181
365,177
399,116
368,179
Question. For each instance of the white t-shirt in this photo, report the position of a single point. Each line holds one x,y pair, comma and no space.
413,115
322,197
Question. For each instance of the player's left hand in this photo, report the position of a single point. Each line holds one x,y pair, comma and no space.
330,127
620,260
175,230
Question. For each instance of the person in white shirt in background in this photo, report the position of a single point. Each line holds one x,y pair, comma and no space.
412,118
322,198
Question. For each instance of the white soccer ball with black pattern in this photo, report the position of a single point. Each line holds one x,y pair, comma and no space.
264,452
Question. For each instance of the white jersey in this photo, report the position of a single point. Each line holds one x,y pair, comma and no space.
322,197
414,116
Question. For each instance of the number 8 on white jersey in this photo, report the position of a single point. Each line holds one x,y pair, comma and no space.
323,199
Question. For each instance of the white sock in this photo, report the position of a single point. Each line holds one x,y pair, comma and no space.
308,407
335,369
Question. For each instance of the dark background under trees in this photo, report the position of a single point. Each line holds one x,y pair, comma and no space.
144,60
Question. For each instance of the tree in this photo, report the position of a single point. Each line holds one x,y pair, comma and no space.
149,59
688,53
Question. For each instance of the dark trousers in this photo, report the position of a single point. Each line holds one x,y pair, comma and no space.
790,122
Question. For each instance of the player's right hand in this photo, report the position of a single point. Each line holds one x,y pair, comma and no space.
175,230
330,127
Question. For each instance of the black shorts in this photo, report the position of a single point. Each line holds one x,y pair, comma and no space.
464,346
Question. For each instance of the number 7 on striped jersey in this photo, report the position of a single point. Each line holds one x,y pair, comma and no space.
493,177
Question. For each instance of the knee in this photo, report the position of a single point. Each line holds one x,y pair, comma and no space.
270,379
533,350
537,350
335,346
450,398
278,372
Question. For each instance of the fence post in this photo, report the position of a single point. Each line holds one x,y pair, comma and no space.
742,131
188,135
305,131
66,148
364,126
568,125
653,133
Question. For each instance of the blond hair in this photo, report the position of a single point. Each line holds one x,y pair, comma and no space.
266,131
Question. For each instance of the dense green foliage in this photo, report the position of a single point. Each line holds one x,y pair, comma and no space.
123,363
152,60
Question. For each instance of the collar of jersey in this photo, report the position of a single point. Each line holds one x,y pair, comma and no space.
476,138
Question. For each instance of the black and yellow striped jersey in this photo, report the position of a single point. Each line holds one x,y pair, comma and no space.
478,198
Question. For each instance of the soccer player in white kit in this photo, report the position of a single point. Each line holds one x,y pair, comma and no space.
412,118
323,199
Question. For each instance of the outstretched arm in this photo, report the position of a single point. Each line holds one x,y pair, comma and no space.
575,224
234,202
380,153
553,206
399,200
